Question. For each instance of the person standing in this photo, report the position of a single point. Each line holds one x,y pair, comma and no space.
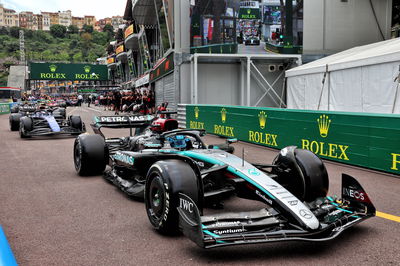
117,101
80,99
89,100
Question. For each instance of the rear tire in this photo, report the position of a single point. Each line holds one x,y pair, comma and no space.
14,121
25,126
90,154
165,179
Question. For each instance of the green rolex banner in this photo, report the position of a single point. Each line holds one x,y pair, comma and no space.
249,13
367,140
56,71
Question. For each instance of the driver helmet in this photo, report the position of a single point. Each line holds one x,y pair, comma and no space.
178,142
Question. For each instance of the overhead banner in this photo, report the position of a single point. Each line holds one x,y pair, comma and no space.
56,71
367,140
249,13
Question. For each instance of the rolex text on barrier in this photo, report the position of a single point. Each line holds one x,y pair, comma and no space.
367,140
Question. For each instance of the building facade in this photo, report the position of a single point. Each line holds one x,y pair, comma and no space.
116,21
54,18
78,21
45,21
8,17
65,18
90,20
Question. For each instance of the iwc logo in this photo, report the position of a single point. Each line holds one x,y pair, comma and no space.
323,124
196,112
223,115
262,118
53,68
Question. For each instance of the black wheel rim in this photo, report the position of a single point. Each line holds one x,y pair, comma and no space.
77,158
156,198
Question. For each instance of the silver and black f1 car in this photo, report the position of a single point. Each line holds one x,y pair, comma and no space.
28,109
45,122
179,176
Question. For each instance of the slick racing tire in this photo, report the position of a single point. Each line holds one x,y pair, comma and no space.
302,173
90,155
60,112
76,122
165,179
25,126
14,121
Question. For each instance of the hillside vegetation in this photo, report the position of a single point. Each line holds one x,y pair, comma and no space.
60,44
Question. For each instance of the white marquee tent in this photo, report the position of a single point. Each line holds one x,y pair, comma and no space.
361,79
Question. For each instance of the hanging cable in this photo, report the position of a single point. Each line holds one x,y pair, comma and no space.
323,84
397,89
376,19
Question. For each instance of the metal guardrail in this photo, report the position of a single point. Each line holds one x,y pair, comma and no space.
181,115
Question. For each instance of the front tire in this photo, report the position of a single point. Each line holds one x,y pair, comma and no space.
90,155
14,121
25,126
165,180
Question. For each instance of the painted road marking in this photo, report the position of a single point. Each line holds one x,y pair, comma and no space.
388,216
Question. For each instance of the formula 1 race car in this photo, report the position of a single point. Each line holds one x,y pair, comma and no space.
179,176
26,109
44,122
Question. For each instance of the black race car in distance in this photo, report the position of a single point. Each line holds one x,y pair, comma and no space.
44,122
180,176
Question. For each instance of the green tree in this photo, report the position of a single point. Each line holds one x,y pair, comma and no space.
109,29
91,58
99,37
78,57
72,29
58,31
86,42
14,32
87,28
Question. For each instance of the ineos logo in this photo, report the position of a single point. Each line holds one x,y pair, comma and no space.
186,205
353,193
306,214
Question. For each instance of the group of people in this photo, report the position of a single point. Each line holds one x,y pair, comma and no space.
128,101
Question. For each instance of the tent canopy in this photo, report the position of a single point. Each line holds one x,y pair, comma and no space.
371,54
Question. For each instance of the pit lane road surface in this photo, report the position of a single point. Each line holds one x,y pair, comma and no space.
51,216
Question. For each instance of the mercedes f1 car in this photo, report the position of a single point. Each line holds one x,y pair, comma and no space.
45,122
179,176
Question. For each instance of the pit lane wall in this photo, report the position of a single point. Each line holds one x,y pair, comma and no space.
367,140
4,108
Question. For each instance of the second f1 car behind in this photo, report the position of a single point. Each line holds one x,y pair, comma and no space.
180,176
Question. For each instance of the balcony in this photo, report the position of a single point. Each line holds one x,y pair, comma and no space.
111,62
144,12
132,38
122,56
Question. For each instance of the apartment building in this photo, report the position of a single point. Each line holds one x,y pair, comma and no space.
8,17
65,18
78,21
116,21
90,20
45,21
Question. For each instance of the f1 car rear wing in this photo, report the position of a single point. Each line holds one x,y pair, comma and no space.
121,121
270,225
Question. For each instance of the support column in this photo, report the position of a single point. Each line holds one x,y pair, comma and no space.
248,81
195,99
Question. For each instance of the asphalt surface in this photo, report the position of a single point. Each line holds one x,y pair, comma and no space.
51,216
252,49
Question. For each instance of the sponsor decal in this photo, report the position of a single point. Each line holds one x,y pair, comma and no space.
122,119
262,118
331,150
223,224
323,124
129,31
110,60
119,49
124,158
263,137
253,171
355,194
86,69
196,125
53,68
223,115
229,231
269,201
306,214
395,161
293,202
166,204
224,130
186,205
